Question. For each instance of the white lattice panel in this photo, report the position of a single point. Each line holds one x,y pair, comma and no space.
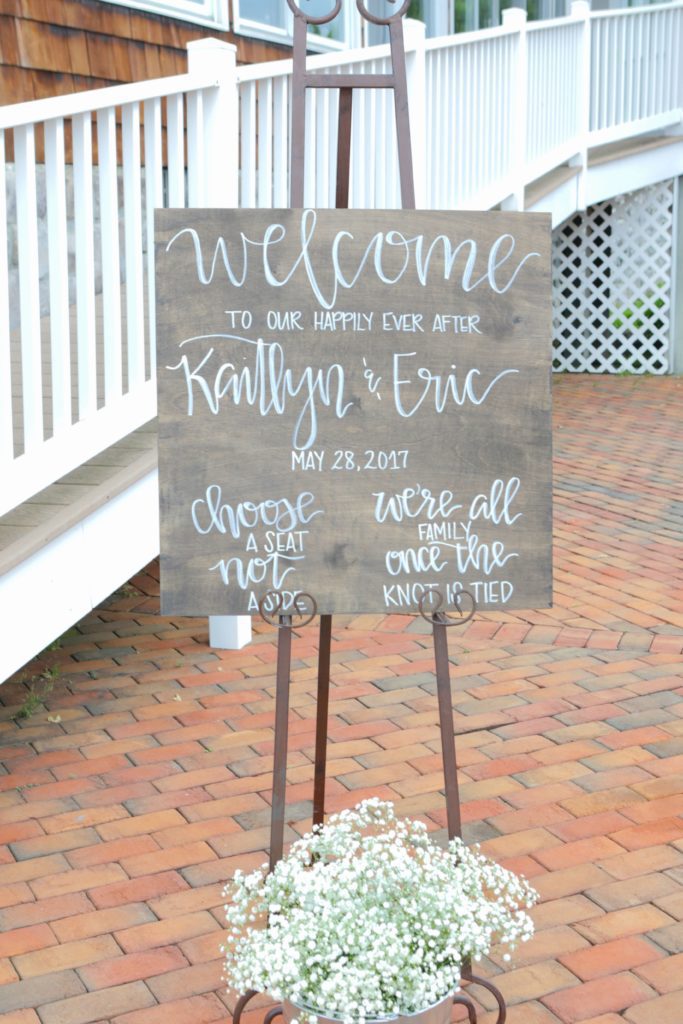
612,269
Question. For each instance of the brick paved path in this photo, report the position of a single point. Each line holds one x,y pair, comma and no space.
128,799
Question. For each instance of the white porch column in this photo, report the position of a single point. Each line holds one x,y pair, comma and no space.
220,175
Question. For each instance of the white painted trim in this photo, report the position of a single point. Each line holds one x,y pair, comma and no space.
467,38
276,68
34,111
645,8
618,132
627,173
562,154
211,13
561,202
57,456
229,632
43,596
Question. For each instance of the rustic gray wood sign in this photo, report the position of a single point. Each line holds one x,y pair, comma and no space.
355,404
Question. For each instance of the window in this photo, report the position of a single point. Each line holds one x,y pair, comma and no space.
272,19
212,13
438,18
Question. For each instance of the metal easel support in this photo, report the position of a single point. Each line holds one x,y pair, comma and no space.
272,604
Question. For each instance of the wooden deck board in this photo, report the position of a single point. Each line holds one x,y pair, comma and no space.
30,514
57,508
629,147
537,190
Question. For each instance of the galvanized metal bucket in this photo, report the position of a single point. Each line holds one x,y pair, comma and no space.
437,1013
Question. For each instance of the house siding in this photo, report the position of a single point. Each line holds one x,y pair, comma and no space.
53,47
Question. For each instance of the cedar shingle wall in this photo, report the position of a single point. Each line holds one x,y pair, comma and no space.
51,47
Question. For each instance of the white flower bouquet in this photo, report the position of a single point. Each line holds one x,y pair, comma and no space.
368,918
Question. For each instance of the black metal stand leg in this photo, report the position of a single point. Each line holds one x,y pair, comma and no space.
430,606
441,622
241,1003
324,651
271,607
277,811
443,690
490,987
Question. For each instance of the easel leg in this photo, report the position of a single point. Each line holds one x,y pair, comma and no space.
344,148
443,690
277,811
324,650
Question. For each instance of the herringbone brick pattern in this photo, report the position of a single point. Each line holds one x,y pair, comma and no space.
131,794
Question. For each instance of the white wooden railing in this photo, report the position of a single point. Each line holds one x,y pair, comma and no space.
490,112
636,69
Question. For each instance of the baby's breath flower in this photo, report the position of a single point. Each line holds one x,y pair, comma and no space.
367,918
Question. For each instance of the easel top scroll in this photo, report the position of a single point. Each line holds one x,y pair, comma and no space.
303,80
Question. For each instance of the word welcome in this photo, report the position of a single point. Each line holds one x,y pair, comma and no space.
391,255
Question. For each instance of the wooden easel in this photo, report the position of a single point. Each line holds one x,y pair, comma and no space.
305,606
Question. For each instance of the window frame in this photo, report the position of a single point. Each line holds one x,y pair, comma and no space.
271,33
211,13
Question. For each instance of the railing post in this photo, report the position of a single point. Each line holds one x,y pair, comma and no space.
515,19
219,139
580,10
414,34
220,132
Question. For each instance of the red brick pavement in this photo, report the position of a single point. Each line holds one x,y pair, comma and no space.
130,796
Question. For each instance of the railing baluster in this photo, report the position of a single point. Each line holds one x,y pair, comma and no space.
614,83
280,143
175,148
467,135
58,263
309,173
669,22
6,427
605,75
371,135
459,135
132,206
662,83
29,289
647,54
636,33
196,175
248,146
85,265
265,144
592,92
322,149
628,70
623,76
440,170
677,45
154,196
111,263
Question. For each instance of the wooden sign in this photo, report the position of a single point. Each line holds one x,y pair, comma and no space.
354,404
